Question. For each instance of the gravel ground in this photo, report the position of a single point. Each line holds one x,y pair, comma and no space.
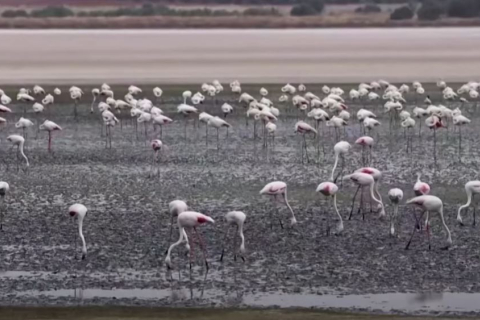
127,225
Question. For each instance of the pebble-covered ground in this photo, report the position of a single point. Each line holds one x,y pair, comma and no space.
127,225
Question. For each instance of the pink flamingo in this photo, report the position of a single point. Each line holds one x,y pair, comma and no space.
362,180
79,211
189,219
279,188
235,218
50,126
157,147
330,189
472,188
420,188
430,204
365,142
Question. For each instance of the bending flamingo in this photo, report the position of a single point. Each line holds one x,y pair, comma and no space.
189,219
235,218
279,188
330,189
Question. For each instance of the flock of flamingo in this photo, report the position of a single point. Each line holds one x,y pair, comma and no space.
330,110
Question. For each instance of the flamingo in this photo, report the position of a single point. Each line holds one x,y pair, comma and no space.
377,176
157,92
362,179
37,90
430,204
271,129
186,95
4,99
395,195
134,90
25,97
186,111
434,123
49,99
95,94
109,121
145,118
421,188
189,219
279,188
218,123
157,147
38,107
472,188
19,141
337,123
175,207
205,117
24,124
235,218
304,128
161,120
50,126
4,188
57,91
408,124
341,148
330,189
75,95
365,142
79,211
460,121
226,109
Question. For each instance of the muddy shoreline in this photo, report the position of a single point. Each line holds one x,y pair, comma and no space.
127,224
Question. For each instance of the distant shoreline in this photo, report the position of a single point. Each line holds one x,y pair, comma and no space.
222,23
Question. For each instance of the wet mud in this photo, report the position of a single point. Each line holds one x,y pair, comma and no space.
127,225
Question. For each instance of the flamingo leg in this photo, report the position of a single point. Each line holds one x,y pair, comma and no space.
223,243
353,203
202,246
49,141
413,232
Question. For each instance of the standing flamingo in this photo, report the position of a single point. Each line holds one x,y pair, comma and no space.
395,195
365,142
18,141
157,147
4,188
24,123
218,123
330,189
160,120
95,94
430,204
460,121
304,128
341,148
50,126
377,176
235,218
186,111
434,123
362,180
79,211
279,188
189,219
472,188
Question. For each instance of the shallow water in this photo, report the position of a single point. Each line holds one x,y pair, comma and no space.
188,56
385,302
127,225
